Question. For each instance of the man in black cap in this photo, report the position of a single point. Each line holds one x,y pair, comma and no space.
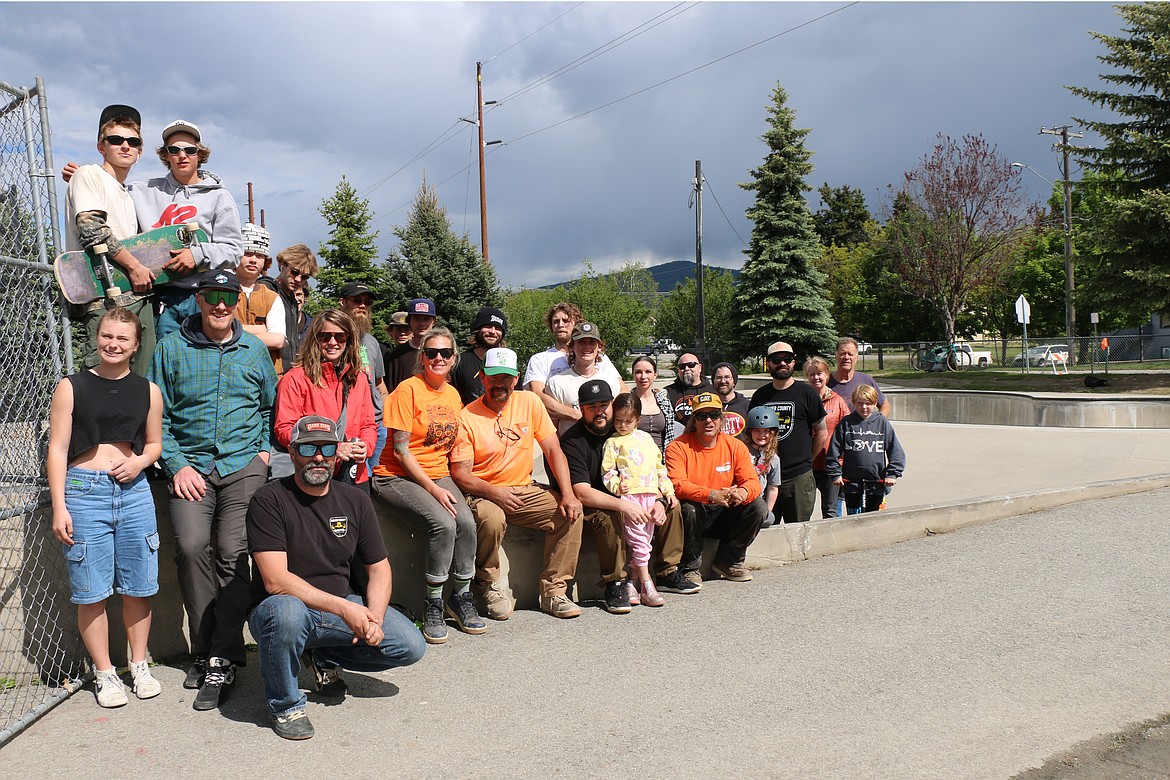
306,533
582,444
487,332
402,360
218,387
358,301
98,210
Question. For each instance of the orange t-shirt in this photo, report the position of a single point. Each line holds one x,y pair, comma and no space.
695,471
501,447
431,417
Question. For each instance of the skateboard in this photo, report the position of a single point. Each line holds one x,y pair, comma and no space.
86,275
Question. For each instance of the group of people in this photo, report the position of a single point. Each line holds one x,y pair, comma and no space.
274,430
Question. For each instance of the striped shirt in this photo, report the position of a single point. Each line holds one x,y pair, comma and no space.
217,400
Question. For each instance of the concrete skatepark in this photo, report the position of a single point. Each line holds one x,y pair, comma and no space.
977,653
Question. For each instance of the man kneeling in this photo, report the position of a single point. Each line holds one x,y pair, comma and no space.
304,531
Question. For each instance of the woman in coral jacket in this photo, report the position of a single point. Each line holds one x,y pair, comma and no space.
326,377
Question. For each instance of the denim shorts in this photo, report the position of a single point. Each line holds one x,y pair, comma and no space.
115,537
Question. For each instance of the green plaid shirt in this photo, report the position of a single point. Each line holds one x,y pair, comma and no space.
217,402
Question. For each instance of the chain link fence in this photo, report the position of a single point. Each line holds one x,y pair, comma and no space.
1127,353
42,657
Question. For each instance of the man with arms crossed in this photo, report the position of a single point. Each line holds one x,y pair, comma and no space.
492,465
845,379
305,533
802,432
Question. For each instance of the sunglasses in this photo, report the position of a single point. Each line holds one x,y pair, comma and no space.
508,435
433,352
364,300
293,273
707,416
310,450
327,336
190,151
781,357
118,140
216,297
688,364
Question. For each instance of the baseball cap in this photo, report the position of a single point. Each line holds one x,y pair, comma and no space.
705,401
586,330
119,110
490,315
595,391
422,306
500,360
780,346
399,318
313,428
256,239
181,126
354,289
219,279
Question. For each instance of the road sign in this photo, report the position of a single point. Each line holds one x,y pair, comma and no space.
1023,311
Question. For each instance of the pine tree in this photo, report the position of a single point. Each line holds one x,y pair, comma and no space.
781,293
350,255
434,263
1125,246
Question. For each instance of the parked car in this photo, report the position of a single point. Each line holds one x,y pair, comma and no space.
1043,354
979,358
864,347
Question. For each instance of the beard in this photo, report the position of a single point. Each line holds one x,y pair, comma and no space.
362,320
316,474
483,343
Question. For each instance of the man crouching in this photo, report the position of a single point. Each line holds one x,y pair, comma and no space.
303,533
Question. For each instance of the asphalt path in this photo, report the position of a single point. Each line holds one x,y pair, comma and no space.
975,654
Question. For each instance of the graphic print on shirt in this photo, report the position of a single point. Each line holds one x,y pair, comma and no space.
442,425
733,423
175,214
339,526
784,412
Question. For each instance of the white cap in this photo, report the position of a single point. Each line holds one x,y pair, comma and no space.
181,126
500,360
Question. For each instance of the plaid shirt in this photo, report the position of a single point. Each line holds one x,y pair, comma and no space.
217,401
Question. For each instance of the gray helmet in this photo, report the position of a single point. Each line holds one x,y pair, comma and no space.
762,417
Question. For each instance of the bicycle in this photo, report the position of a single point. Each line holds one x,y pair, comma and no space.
941,357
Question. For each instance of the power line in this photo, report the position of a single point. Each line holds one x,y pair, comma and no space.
605,48
534,32
685,73
724,213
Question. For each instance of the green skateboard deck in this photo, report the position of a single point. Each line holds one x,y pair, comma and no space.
81,277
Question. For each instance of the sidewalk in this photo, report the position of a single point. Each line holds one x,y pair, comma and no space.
975,654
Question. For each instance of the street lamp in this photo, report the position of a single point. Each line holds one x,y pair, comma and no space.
1070,318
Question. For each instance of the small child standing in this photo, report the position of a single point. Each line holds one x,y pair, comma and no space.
762,442
632,469
865,455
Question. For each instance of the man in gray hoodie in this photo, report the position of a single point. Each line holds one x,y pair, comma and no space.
188,193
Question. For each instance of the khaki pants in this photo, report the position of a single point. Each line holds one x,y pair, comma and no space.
562,539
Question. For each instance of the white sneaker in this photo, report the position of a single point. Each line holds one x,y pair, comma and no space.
145,686
108,688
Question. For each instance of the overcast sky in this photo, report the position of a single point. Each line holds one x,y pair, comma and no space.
291,96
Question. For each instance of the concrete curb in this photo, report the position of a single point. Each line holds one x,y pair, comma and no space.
795,542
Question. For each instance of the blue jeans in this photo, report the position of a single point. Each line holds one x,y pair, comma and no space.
285,628
448,538
376,458
115,539
178,304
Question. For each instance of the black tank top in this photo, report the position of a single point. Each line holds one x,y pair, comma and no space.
108,411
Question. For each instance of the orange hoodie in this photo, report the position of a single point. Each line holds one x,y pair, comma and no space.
696,471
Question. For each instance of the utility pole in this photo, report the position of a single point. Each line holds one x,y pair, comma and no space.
697,202
262,218
251,205
479,104
1070,319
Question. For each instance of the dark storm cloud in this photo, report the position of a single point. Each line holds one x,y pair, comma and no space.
293,96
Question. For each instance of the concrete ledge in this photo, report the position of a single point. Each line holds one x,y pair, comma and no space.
523,549
986,407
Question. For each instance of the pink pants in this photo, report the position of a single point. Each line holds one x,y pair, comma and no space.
639,536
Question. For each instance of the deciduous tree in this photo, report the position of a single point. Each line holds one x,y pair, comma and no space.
677,314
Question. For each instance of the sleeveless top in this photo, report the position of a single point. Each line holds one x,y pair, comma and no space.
108,411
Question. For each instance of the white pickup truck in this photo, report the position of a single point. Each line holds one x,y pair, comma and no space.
979,359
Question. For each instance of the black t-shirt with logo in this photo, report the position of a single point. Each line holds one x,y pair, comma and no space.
325,537
582,450
799,409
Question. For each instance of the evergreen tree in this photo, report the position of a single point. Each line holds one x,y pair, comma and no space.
781,293
1126,245
350,255
843,218
434,263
